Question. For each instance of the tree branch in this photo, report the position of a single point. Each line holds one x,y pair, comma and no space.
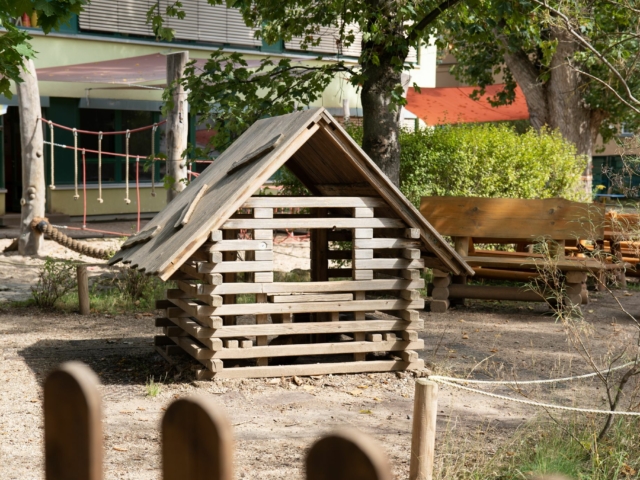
430,18
594,50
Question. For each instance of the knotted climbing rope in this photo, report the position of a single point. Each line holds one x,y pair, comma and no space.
44,227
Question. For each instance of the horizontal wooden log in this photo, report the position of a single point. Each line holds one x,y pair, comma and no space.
483,292
263,277
492,273
319,349
579,264
233,267
312,223
211,300
193,348
313,307
336,297
194,329
362,254
316,327
313,369
263,234
210,278
313,202
387,263
194,309
238,245
411,253
305,287
163,322
384,243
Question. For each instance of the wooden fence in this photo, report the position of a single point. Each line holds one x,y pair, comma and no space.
197,440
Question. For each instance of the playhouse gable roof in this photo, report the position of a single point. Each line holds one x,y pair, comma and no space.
316,149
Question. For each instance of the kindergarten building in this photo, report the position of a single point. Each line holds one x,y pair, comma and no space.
105,71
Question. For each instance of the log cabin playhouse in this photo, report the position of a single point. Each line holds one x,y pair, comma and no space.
345,320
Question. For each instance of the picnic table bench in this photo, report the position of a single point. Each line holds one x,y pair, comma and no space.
472,221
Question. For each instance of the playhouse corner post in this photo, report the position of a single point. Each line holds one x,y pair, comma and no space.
177,124
32,143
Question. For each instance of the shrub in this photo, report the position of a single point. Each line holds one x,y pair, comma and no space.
488,160
55,279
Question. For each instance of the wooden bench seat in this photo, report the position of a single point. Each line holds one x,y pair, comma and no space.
475,221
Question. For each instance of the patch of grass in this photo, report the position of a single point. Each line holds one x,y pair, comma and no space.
107,295
544,447
153,389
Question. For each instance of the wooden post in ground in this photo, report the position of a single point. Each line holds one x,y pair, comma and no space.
72,424
82,277
177,129
197,442
32,143
423,436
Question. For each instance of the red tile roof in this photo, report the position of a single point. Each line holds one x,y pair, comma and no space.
438,106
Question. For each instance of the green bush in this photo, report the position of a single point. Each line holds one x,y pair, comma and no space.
488,160
55,279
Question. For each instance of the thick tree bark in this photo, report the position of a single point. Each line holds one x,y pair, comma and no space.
31,141
558,103
381,120
177,124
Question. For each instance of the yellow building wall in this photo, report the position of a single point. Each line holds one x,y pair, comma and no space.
3,203
62,201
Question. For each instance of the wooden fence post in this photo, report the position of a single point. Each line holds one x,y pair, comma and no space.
423,436
197,442
82,277
177,127
347,455
72,424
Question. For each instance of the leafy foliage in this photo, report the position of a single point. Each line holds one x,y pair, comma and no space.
482,35
233,93
56,278
14,43
487,160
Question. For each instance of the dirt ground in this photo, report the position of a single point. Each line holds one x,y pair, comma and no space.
276,420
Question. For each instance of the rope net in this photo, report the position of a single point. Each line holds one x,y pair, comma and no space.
100,152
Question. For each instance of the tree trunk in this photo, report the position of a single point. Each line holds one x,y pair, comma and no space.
31,141
558,103
177,124
381,120
568,111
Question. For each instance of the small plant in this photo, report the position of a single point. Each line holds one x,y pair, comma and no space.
153,388
134,284
55,279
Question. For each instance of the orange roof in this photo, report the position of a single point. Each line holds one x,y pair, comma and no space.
438,106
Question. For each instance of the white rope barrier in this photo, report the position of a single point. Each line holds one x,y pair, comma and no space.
516,383
532,403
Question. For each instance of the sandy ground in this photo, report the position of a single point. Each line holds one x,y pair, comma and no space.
276,420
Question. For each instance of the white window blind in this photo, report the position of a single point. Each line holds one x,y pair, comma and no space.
202,22
329,42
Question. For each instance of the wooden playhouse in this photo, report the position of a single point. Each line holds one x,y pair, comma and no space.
345,320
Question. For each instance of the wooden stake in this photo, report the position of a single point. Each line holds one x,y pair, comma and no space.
82,277
197,442
177,129
32,143
72,424
423,437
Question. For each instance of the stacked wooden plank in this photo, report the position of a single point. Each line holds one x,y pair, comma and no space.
471,221
367,312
